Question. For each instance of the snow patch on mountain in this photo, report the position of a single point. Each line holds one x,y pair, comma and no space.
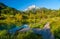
31,7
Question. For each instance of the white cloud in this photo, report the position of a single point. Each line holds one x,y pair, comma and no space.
25,9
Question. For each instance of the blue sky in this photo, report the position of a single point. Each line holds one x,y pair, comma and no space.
23,4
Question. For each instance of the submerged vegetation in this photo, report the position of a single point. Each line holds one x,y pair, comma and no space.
35,18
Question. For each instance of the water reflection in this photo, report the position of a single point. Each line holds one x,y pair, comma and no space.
45,32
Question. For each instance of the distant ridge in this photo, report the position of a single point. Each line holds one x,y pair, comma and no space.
2,6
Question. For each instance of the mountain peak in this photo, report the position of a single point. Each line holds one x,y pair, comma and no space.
31,7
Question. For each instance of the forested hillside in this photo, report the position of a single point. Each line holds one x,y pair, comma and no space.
35,18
